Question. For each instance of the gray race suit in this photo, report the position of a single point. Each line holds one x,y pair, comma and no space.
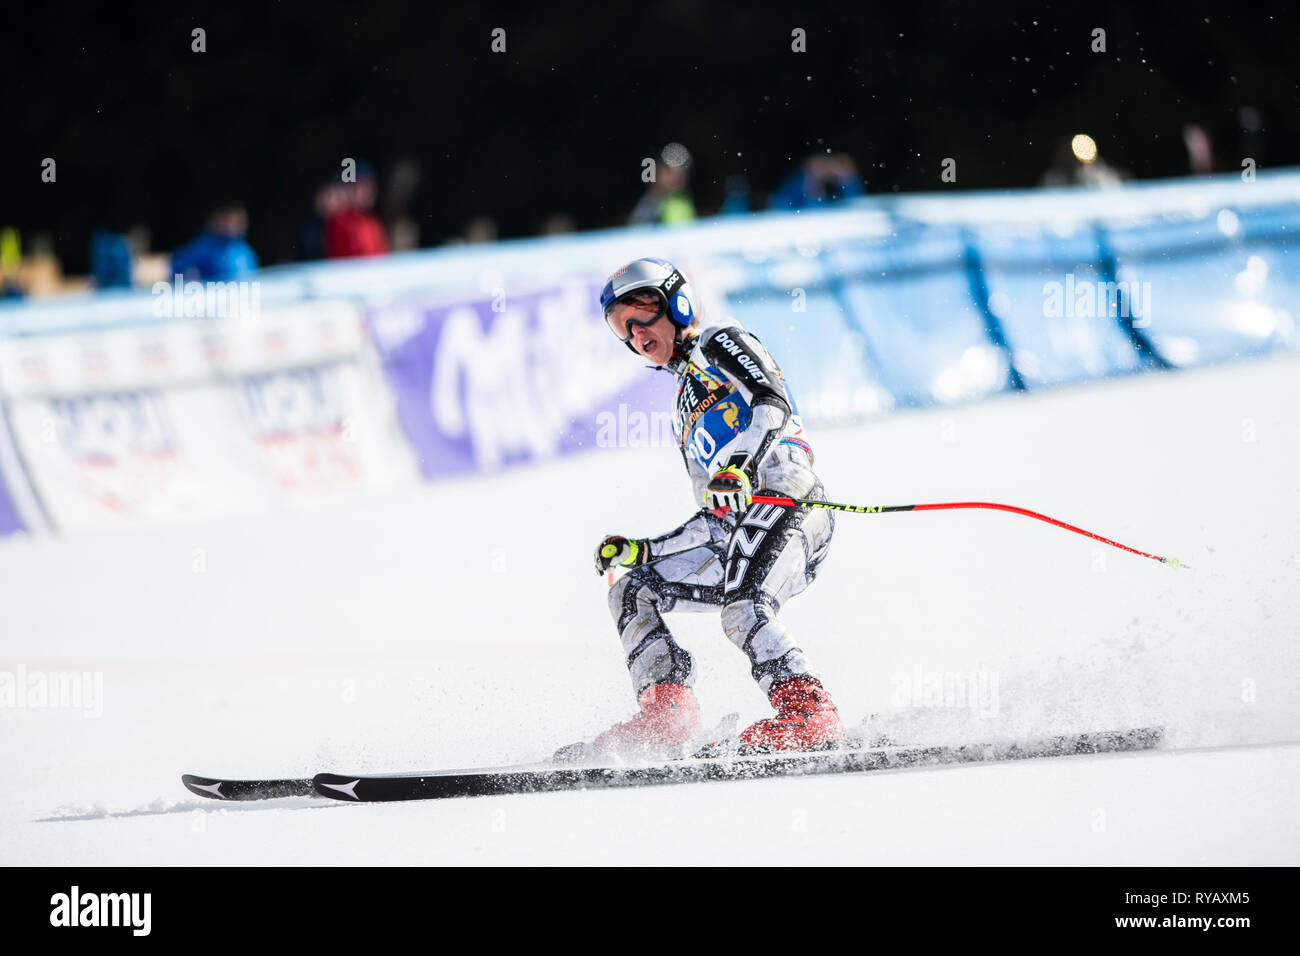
733,407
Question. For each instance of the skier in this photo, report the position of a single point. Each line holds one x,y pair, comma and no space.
738,429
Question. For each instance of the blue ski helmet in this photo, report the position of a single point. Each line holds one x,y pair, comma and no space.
659,278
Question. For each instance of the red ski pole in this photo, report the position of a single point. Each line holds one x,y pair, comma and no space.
952,505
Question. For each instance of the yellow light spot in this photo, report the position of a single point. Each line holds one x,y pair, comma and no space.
1084,148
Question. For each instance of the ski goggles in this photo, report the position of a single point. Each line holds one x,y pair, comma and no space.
622,314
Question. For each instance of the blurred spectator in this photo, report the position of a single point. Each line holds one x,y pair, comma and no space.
220,252
1251,121
559,224
353,229
11,257
666,198
819,179
11,250
737,199
402,182
329,199
1200,152
110,259
481,229
1077,162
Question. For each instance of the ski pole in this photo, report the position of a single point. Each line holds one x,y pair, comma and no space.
952,505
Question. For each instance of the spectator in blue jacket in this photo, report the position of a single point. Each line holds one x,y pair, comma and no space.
220,252
110,259
818,180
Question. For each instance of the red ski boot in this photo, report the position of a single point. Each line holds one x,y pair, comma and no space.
806,719
669,720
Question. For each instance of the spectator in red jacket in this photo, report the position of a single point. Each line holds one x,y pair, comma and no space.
354,229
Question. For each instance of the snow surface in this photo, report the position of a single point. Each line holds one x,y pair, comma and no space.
461,625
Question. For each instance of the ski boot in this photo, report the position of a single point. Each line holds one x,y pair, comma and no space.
806,719
669,720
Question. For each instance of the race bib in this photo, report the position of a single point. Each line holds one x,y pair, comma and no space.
715,428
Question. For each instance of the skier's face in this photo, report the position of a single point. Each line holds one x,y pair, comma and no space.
651,337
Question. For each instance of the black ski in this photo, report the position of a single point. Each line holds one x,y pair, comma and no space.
367,788
217,788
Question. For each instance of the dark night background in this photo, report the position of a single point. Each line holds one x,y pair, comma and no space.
145,131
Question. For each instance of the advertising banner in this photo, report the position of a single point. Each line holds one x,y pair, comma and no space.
498,380
201,419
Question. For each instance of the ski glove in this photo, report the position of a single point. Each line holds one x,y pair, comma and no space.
615,549
730,487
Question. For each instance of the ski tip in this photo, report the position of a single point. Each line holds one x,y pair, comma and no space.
204,786
267,788
336,786
1175,563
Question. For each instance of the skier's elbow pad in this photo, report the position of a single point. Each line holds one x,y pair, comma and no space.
766,422
769,413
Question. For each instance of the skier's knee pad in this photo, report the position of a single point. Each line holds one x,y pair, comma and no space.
742,618
661,661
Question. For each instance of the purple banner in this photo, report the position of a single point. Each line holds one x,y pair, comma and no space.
498,380
10,521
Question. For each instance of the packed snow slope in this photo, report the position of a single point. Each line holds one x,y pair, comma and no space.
462,625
